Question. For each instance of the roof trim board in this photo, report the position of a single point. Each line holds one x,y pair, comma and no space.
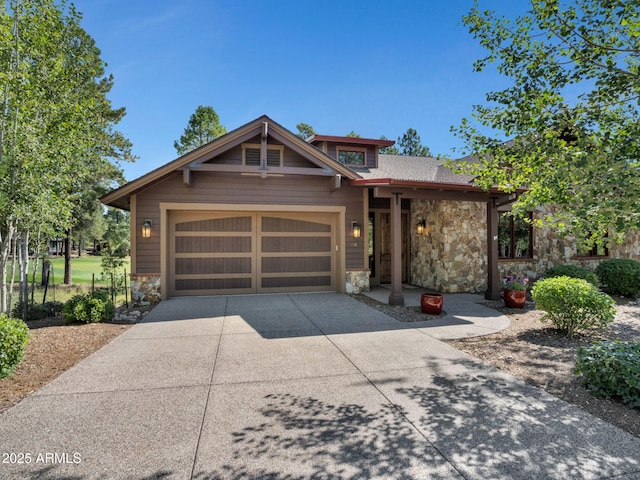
351,140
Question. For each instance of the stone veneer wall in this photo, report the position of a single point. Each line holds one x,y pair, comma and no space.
357,281
452,256
145,289
550,248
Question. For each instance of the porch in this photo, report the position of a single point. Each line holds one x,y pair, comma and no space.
412,240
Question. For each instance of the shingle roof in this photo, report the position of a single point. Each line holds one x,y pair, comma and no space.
417,169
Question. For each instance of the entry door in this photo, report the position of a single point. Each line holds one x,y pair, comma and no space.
385,247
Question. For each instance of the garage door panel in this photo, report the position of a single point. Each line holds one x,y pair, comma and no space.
271,284
213,265
296,244
296,264
291,225
209,244
205,285
227,224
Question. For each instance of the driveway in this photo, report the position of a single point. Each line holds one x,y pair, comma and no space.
293,387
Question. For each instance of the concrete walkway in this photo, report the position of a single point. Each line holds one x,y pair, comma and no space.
463,316
298,386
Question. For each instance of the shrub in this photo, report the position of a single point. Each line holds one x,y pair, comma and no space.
37,311
573,304
572,271
34,311
52,308
92,308
14,335
621,276
611,368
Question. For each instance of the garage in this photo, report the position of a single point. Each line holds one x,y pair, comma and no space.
239,252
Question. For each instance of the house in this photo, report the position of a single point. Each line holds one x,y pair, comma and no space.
260,210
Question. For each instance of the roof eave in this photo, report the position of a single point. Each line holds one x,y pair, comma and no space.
351,140
387,182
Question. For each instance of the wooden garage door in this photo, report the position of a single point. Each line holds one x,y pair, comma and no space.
227,253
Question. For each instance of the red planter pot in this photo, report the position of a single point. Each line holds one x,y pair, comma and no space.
431,303
515,298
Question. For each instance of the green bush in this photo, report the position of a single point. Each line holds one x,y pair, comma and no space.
37,311
572,271
573,304
53,308
621,276
92,308
611,369
34,311
14,335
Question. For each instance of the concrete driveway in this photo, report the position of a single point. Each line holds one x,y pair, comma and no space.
293,387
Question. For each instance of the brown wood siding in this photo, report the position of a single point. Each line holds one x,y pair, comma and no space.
214,188
371,157
290,158
230,157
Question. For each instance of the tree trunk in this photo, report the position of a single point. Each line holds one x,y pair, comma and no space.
24,272
14,258
5,248
67,258
36,260
46,269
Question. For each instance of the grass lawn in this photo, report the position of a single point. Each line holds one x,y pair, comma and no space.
83,270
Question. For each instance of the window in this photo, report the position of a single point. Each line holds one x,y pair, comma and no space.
351,155
515,237
595,251
251,155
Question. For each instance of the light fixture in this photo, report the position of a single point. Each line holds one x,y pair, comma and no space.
146,229
422,227
355,229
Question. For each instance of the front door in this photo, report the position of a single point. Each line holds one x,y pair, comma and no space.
385,247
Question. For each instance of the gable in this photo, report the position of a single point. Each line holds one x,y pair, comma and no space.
248,154
225,155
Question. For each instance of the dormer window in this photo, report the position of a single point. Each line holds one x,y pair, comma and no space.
351,155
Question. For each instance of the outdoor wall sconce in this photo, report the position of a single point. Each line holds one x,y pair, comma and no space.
356,230
422,227
146,229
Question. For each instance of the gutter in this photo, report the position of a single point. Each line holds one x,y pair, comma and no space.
387,182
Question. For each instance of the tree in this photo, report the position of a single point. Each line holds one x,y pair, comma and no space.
56,124
410,144
305,131
203,127
117,247
352,134
572,112
91,226
392,150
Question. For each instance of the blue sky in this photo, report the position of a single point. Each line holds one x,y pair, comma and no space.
375,67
